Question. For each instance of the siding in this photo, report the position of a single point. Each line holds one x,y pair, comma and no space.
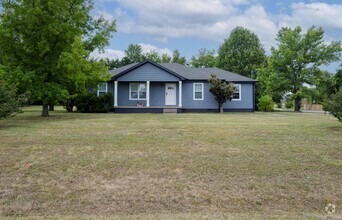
147,72
209,101
157,94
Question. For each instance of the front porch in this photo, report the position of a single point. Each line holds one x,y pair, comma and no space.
148,95
145,109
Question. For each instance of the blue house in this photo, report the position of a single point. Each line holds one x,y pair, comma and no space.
159,87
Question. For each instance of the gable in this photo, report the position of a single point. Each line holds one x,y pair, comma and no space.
147,72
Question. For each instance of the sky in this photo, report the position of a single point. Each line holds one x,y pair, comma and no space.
188,25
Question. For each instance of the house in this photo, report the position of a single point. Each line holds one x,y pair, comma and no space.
157,87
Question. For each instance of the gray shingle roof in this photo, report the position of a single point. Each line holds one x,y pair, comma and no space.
191,73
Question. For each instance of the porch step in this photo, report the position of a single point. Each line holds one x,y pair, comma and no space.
169,111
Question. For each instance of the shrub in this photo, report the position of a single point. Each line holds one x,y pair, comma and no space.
90,103
265,103
289,102
10,103
334,105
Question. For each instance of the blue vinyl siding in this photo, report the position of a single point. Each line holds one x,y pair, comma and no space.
148,72
157,94
110,87
209,101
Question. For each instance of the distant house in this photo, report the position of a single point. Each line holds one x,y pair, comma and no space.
158,87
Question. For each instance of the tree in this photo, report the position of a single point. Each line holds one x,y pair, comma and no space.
134,53
297,59
176,58
334,105
204,58
10,103
241,52
35,33
78,74
222,90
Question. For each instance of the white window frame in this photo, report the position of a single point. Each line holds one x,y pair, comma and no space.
193,94
238,86
139,83
98,89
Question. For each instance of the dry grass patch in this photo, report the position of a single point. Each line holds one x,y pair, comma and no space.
170,166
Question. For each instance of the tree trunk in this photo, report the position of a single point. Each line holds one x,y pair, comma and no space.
221,108
51,107
297,104
69,105
45,110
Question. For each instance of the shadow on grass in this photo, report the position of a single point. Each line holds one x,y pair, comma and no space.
31,116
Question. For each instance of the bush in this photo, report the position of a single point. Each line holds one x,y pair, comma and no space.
289,102
90,103
10,103
334,105
265,103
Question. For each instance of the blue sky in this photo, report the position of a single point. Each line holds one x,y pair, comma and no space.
188,25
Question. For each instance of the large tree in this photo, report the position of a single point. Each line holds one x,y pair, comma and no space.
297,59
204,58
36,34
241,52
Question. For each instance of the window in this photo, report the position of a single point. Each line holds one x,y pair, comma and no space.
102,89
137,91
198,91
237,93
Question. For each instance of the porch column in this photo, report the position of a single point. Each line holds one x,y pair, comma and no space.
148,93
115,93
180,94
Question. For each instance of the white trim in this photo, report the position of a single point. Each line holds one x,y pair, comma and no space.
115,93
98,90
239,87
193,91
130,98
180,94
147,93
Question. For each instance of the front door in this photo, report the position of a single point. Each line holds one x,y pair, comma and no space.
170,94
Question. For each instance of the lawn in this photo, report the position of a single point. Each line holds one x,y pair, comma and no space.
185,166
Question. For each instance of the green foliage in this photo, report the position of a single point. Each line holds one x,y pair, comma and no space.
265,103
177,58
289,102
334,105
37,37
78,74
10,103
241,53
297,58
134,54
222,91
204,58
90,103
270,83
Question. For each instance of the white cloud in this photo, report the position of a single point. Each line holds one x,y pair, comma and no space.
214,19
146,48
108,53
118,54
318,14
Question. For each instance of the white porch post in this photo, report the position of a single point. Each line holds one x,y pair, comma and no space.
115,93
180,94
148,93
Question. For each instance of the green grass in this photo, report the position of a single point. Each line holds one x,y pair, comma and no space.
186,166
